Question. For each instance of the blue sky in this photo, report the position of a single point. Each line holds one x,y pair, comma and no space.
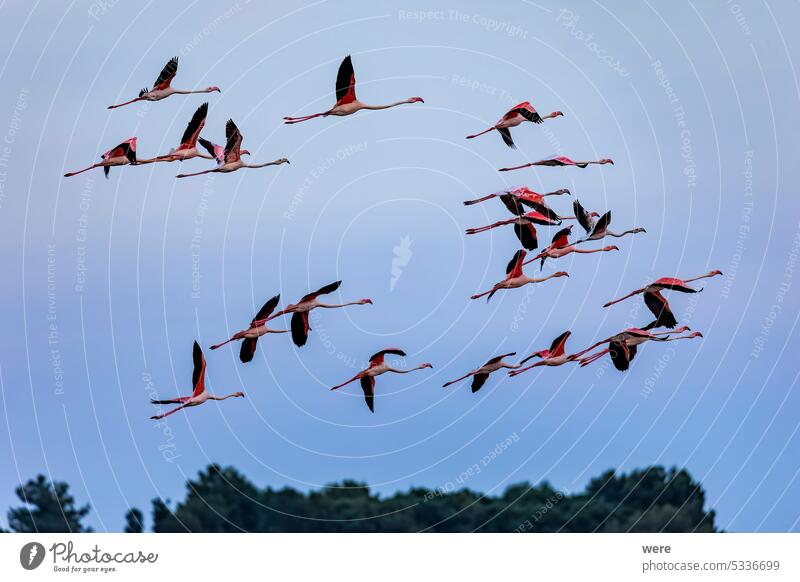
108,282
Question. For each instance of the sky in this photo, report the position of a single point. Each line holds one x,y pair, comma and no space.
108,282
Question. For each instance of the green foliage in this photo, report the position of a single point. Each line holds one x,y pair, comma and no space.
134,521
48,508
649,500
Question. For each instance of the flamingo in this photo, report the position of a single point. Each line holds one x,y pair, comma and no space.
622,346
162,88
560,247
515,198
515,277
656,302
188,146
597,229
377,366
515,116
346,101
308,302
121,155
232,159
480,375
255,331
523,227
200,395
555,356
559,161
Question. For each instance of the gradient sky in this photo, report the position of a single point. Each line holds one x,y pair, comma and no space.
108,282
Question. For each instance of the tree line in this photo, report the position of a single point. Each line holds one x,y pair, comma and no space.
221,499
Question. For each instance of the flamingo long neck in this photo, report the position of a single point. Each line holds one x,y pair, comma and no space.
619,234
376,107
706,276
398,371
335,305
538,280
550,115
186,92
275,163
223,397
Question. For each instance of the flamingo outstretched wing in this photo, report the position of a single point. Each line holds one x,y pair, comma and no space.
199,372
345,82
377,358
195,126
233,142
300,328
659,306
559,344
167,74
330,288
514,267
368,386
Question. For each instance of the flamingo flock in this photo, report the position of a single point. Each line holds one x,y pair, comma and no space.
528,210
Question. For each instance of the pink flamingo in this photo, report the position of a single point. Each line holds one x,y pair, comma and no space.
561,247
256,330
188,146
597,229
232,158
559,161
515,116
516,198
200,394
346,101
163,88
377,366
555,356
523,227
669,283
656,302
515,278
622,346
300,310
480,375
121,155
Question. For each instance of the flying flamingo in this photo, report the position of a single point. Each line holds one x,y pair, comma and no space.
596,230
517,115
480,375
559,161
515,198
560,247
515,277
162,88
377,366
308,302
555,356
622,346
255,331
346,101
188,146
121,155
656,302
232,159
200,395
523,227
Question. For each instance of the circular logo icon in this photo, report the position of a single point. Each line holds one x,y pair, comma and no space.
31,555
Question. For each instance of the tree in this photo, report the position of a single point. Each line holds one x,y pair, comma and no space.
134,521
49,508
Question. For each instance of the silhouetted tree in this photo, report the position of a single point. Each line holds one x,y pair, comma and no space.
649,500
134,521
49,508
